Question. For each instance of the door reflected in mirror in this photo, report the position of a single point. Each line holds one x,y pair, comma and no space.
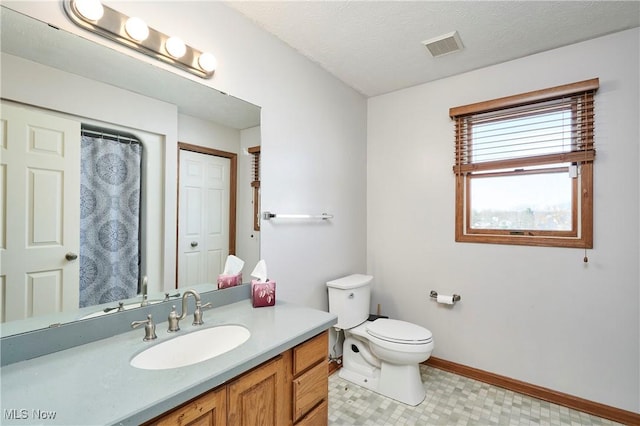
206,212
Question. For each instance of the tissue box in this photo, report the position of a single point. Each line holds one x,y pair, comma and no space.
225,281
263,293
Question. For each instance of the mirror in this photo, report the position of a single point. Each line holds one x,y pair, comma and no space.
158,104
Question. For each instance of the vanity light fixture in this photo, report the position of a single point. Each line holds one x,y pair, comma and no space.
134,33
137,29
176,47
208,62
90,9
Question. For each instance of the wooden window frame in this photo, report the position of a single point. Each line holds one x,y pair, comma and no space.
581,236
255,184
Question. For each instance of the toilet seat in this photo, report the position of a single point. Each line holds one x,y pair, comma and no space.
399,332
408,338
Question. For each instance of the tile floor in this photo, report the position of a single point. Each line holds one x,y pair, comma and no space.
451,400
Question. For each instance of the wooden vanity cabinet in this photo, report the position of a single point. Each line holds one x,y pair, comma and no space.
291,388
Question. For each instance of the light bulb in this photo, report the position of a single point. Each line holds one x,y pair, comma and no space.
90,9
137,29
175,47
207,62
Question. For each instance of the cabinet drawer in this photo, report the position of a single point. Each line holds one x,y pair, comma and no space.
319,416
309,389
310,352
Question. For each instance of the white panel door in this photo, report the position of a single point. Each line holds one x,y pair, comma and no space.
203,217
40,195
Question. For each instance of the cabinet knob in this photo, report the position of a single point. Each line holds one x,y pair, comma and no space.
194,244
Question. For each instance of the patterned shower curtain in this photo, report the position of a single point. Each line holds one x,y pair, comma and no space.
109,219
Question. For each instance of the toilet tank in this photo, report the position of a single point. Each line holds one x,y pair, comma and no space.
349,299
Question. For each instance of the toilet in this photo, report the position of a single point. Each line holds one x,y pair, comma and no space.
382,355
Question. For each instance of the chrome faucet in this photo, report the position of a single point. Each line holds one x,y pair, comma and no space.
168,296
174,318
144,291
120,308
149,328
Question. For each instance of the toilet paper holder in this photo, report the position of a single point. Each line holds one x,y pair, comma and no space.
434,295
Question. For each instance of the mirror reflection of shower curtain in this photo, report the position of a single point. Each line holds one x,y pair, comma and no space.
109,218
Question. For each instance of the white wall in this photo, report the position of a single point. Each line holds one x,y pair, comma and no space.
313,137
195,131
535,314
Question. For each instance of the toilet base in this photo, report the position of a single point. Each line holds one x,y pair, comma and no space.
400,382
367,382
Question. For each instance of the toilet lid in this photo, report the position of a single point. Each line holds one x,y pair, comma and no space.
399,331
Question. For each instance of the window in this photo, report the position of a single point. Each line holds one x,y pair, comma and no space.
524,168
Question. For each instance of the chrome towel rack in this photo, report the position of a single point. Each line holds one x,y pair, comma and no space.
269,215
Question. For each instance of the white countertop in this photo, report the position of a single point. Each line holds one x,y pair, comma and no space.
93,384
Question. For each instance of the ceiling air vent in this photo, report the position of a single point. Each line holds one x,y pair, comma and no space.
444,44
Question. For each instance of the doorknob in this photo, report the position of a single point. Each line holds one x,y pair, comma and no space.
194,244
70,256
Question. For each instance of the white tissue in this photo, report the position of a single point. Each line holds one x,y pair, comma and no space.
444,298
260,271
233,265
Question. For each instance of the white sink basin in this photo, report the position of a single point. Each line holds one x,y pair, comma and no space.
191,348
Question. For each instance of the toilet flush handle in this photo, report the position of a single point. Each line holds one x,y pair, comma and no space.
351,295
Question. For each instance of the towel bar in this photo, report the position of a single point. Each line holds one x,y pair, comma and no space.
268,215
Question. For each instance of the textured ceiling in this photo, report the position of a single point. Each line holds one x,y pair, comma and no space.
375,46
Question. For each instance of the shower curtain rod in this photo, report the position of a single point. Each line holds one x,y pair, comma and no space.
108,134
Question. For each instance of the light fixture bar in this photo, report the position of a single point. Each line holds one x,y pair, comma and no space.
112,26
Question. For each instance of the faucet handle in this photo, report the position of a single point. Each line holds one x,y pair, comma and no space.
167,296
149,328
119,308
197,314
174,320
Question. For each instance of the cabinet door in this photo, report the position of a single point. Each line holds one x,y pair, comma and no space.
206,410
257,398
